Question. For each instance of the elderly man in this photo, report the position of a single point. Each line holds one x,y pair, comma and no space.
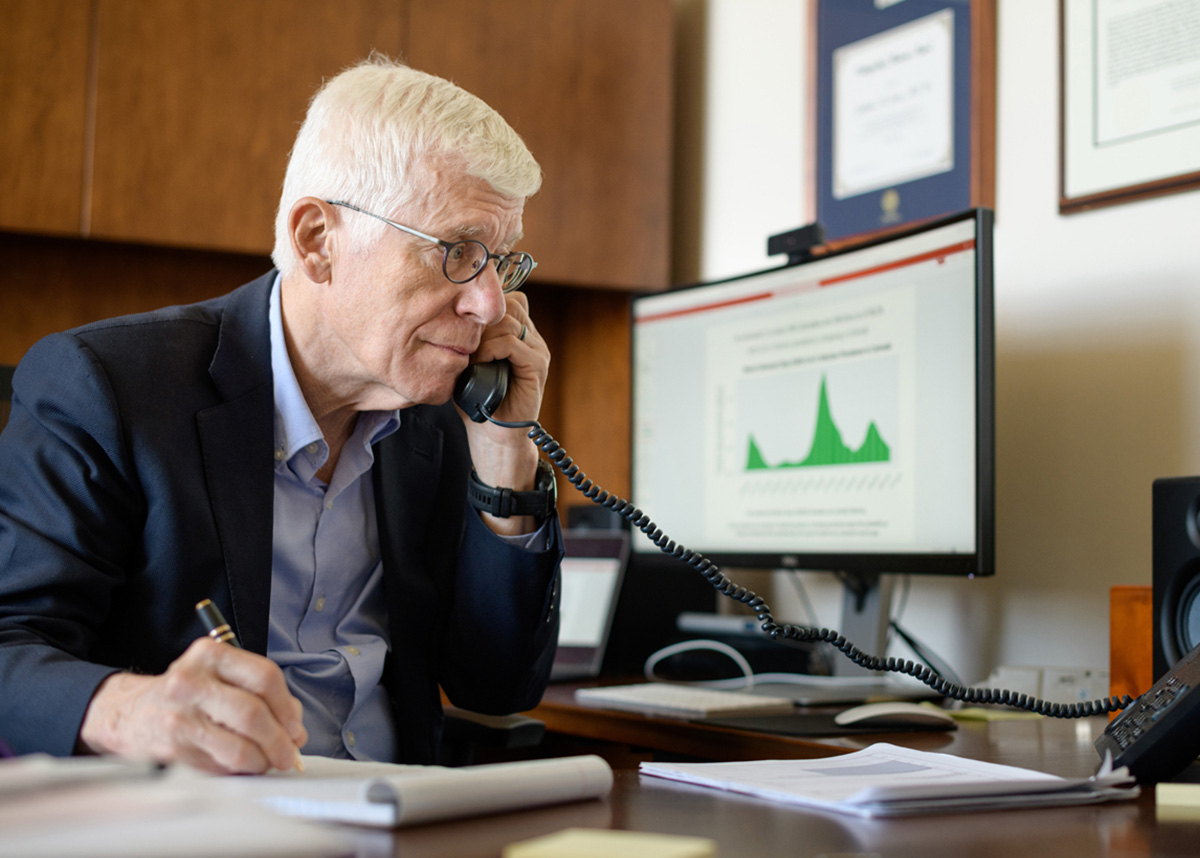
289,451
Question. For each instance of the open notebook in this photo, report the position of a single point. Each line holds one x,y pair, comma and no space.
592,572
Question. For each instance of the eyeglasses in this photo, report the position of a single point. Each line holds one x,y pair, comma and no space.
463,261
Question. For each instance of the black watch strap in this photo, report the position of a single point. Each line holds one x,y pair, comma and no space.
504,503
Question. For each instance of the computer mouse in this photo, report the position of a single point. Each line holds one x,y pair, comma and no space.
895,714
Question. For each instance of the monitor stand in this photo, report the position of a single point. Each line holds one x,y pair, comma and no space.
866,619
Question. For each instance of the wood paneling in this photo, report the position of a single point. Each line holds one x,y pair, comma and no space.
51,284
587,404
43,106
590,87
198,103
169,121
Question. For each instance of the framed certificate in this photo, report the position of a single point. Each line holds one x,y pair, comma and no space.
905,107
1130,82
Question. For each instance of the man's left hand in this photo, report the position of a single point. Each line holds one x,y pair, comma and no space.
506,457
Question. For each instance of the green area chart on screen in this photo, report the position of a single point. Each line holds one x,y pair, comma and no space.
827,448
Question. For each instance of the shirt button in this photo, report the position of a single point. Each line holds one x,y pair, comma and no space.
312,448
353,650
328,504
350,738
320,605
279,455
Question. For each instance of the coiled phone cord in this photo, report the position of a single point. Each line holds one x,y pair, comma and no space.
709,570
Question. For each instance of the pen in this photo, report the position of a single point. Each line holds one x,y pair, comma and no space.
219,630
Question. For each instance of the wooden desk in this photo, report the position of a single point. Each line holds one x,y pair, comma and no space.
747,827
744,828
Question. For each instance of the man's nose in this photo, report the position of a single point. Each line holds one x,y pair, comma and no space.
483,298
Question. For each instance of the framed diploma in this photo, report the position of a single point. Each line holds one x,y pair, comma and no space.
905,102
1130,82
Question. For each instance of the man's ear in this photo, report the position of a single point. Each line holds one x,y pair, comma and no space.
309,223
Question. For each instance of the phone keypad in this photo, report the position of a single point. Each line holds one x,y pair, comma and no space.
1157,736
1145,711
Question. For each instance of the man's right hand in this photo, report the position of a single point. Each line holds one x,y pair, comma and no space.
217,708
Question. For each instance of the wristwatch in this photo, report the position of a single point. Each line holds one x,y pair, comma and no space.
504,503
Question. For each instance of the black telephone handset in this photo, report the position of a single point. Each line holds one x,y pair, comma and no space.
1158,735
481,388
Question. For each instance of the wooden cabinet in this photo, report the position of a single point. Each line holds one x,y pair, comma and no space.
197,105
44,50
589,85
168,122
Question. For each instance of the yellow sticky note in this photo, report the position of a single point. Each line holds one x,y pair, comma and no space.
1177,802
604,843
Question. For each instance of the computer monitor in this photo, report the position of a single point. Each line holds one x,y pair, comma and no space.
831,415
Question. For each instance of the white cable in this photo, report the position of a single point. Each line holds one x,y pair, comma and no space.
745,681
748,677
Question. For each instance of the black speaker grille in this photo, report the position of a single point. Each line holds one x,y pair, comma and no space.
1176,566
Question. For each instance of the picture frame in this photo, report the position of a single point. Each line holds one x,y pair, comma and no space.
1129,82
905,108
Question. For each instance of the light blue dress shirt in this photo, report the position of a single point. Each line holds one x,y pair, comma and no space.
328,626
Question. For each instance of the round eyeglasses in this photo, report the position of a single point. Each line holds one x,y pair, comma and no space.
463,261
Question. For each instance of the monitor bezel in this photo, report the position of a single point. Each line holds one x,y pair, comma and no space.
981,562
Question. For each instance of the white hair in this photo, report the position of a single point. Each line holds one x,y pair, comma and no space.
371,130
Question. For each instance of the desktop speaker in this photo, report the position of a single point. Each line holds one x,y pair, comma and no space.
1176,564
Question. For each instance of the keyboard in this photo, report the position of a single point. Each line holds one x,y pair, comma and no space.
682,701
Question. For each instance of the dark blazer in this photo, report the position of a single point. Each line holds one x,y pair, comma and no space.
136,478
